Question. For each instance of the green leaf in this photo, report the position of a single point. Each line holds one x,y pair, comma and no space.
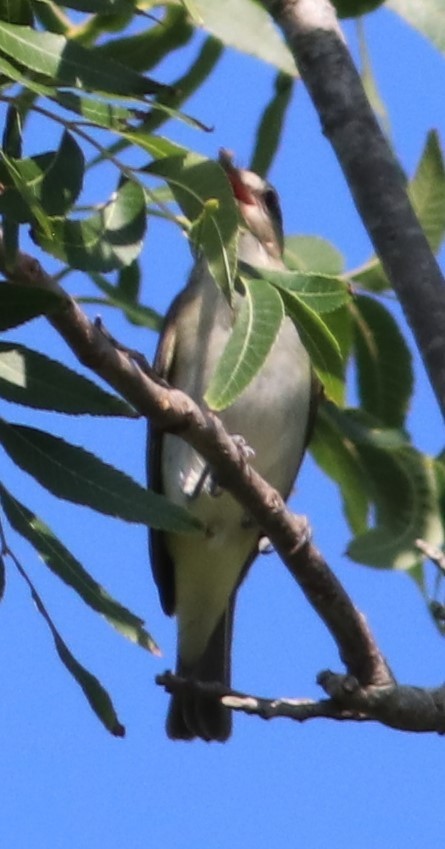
12,134
319,292
271,125
312,254
19,304
72,473
145,49
109,239
52,180
362,429
339,458
320,344
383,360
427,17
97,7
245,25
406,499
33,379
67,63
62,563
202,190
427,191
95,693
16,12
259,314
354,8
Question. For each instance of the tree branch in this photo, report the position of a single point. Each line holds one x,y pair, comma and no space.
405,708
172,410
375,178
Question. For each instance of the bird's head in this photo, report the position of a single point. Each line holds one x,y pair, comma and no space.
260,209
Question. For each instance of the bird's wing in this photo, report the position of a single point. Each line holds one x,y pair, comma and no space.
161,562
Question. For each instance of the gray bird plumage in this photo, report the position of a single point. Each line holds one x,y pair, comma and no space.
198,575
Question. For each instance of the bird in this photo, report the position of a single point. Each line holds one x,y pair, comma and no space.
198,575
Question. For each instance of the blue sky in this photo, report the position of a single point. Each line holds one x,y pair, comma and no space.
65,782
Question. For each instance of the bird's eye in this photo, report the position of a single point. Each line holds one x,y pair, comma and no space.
270,198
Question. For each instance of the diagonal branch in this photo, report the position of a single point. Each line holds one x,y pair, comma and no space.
375,178
171,409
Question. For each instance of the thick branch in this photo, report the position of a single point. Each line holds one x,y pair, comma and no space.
171,409
375,177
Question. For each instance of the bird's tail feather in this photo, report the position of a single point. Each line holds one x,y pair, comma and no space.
192,714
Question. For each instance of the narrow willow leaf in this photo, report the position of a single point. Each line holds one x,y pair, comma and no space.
320,344
68,63
95,693
19,304
427,17
406,499
312,254
33,379
202,190
12,134
384,370
246,26
97,7
339,458
319,292
362,429
62,563
259,314
109,239
271,125
145,49
72,473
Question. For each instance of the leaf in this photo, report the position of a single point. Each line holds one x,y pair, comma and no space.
202,190
427,191
320,344
143,50
16,12
271,125
339,458
259,314
33,379
72,473
95,693
406,498
19,304
51,180
68,569
245,25
312,254
384,371
67,63
98,7
427,17
354,8
109,239
319,292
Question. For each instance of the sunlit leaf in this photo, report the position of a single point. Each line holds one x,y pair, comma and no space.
312,254
258,319
427,17
245,25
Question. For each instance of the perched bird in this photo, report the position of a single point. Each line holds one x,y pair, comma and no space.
198,575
